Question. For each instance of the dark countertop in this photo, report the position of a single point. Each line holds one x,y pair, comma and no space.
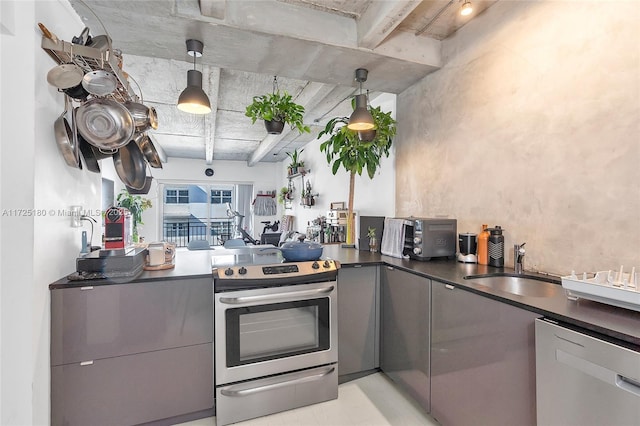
619,323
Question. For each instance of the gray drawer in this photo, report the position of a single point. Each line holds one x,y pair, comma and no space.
122,319
133,389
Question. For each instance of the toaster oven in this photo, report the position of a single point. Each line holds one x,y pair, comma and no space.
426,238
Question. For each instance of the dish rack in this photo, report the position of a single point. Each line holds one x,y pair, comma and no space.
613,288
91,59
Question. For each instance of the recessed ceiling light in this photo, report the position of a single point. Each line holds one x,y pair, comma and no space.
466,9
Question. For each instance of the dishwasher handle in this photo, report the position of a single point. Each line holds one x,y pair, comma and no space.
628,384
599,372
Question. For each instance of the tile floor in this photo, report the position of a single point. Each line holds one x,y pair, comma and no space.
373,400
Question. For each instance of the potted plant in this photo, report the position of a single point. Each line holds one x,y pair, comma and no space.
136,205
285,195
276,109
345,148
307,196
296,166
373,241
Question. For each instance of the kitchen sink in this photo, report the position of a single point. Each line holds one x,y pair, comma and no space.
520,284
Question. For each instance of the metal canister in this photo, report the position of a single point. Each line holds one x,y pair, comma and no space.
496,246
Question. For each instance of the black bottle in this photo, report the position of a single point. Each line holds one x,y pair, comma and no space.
496,247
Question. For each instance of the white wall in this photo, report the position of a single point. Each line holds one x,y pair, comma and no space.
372,197
533,124
35,250
263,176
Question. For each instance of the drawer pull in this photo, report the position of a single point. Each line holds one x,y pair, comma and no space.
449,286
90,287
289,380
83,363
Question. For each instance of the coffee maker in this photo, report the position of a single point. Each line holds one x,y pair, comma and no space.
468,244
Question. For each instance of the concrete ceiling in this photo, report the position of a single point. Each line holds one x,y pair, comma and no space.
312,46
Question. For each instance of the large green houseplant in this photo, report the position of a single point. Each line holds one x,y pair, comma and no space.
136,205
356,153
276,109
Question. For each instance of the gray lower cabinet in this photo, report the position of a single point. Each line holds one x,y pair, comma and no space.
358,319
133,389
405,331
482,360
131,353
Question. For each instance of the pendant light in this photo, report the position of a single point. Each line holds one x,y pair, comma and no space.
193,99
361,118
466,8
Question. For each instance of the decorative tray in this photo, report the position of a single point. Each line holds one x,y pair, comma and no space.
613,288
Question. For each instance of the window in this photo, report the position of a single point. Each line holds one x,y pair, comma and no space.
198,211
177,196
220,196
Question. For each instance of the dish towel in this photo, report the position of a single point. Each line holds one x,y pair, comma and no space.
264,205
393,237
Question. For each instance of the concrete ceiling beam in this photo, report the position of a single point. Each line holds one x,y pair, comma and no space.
380,19
213,8
210,126
411,48
290,20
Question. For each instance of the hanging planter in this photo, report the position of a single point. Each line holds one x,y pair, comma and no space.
274,127
276,109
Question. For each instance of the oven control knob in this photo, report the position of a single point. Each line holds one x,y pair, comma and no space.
417,240
242,270
228,271
326,264
315,265
417,250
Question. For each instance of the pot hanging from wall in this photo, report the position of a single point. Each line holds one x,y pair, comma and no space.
105,123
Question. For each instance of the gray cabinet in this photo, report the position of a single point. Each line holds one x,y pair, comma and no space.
482,360
133,389
358,319
141,351
405,331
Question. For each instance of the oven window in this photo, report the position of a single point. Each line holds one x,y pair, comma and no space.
265,332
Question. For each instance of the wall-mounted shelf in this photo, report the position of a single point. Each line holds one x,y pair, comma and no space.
302,174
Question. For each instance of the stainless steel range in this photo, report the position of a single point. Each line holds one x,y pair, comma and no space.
276,334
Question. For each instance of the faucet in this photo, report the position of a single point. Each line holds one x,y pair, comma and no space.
518,258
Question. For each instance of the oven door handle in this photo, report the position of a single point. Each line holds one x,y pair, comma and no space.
298,378
276,296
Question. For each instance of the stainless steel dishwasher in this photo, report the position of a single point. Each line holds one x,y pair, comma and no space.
584,380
